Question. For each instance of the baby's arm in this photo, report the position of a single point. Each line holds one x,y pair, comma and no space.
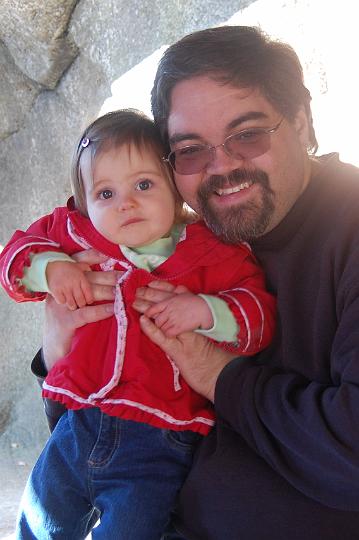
59,275
186,312
182,313
243,310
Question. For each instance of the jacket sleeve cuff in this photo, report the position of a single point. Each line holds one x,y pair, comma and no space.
225,326
34,278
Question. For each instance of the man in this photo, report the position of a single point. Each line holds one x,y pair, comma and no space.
283,459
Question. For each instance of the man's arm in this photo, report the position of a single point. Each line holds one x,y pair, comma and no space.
53,409
305,430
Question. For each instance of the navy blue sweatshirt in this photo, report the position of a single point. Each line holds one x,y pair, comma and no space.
283,461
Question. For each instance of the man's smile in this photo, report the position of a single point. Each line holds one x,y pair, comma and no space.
233,189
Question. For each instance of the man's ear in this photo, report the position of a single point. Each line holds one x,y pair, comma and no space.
301,125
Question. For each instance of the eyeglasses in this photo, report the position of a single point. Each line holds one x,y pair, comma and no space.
246,144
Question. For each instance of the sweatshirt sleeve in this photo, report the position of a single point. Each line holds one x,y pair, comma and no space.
304,429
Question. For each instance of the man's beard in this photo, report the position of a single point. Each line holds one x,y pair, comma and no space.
242,222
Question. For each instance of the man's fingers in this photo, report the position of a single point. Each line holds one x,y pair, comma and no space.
181,289
84,267
157,336
89,256
61,323
141,305
153,295
159,291
104,278
168,287
162,286
102,283
103,292
89,314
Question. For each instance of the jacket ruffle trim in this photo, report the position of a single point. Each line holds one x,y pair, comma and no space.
139,412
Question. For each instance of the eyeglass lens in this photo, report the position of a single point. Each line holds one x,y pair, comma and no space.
243,145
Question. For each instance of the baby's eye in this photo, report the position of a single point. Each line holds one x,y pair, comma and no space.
105,194
143,185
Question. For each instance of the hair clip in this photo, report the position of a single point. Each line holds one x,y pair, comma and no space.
85,142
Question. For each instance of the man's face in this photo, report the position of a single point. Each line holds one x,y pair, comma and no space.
240,199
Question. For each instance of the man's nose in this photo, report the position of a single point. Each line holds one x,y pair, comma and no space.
222,163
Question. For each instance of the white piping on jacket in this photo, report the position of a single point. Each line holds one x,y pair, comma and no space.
43,242
244,314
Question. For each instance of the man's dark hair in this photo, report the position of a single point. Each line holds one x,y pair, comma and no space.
237,55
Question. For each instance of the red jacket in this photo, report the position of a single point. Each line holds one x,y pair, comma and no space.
112,364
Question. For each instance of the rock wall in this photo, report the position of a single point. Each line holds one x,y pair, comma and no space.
36,50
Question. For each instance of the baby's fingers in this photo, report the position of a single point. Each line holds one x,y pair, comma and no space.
87,291
155,309
70,299
77,299
59,297
161,320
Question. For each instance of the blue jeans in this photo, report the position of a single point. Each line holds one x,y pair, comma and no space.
96,466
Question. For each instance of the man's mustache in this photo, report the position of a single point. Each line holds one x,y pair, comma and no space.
234,178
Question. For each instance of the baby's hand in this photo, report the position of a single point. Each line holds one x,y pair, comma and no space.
181,313
68,283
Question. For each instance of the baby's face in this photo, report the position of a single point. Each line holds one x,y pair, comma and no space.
129,199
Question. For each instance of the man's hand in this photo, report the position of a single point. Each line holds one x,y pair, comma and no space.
68,283
60,326
183,312
198,359
61,323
